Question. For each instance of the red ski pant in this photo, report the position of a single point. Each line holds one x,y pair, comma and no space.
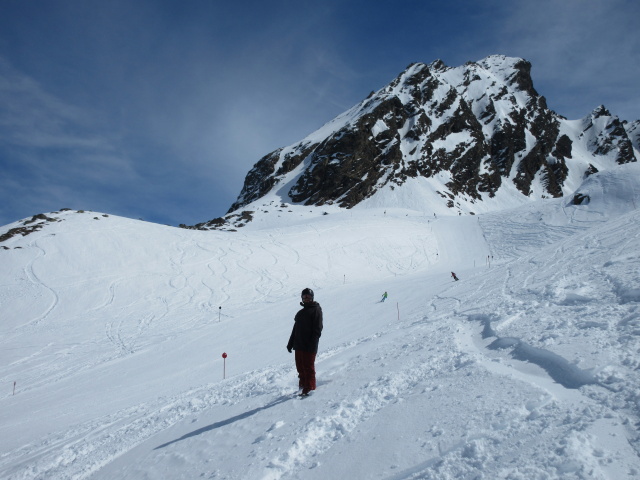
305,364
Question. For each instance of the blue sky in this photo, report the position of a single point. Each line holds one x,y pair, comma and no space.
157,109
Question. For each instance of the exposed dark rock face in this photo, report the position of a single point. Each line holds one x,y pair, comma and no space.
260,178
228,222
478,126
580,199
633,131
31,225
610,136
591,170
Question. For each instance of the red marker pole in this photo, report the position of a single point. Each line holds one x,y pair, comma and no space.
224,368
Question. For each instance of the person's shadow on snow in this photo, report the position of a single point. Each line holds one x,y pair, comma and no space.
228,421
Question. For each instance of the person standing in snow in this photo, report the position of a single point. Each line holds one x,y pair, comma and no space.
384,297
454,276
304,339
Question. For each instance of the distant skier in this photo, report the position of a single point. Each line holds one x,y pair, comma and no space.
304,339
454,276
384,296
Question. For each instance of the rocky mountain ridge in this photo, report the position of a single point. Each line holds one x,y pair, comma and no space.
467,134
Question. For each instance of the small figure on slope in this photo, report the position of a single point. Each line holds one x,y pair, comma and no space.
304,339
454,276
384,296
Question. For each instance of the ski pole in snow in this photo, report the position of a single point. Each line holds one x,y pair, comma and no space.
398,307
219,313
14,387
224,365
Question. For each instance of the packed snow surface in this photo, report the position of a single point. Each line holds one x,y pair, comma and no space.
112,333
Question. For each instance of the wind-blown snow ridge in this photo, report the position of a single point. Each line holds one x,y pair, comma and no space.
558,368
113,332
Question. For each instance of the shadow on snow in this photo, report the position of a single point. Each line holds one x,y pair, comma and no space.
228,421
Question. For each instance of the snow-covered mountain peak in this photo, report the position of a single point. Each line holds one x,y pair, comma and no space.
457,140
600,111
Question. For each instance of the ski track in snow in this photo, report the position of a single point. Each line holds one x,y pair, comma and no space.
35,280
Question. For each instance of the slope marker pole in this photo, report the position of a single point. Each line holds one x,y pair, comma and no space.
224,365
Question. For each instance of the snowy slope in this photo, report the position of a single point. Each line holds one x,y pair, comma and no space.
527,368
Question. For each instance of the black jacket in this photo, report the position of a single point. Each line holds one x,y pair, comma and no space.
307,328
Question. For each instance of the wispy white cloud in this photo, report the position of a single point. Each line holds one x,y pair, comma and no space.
51,150
584,52
30,117
34,119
